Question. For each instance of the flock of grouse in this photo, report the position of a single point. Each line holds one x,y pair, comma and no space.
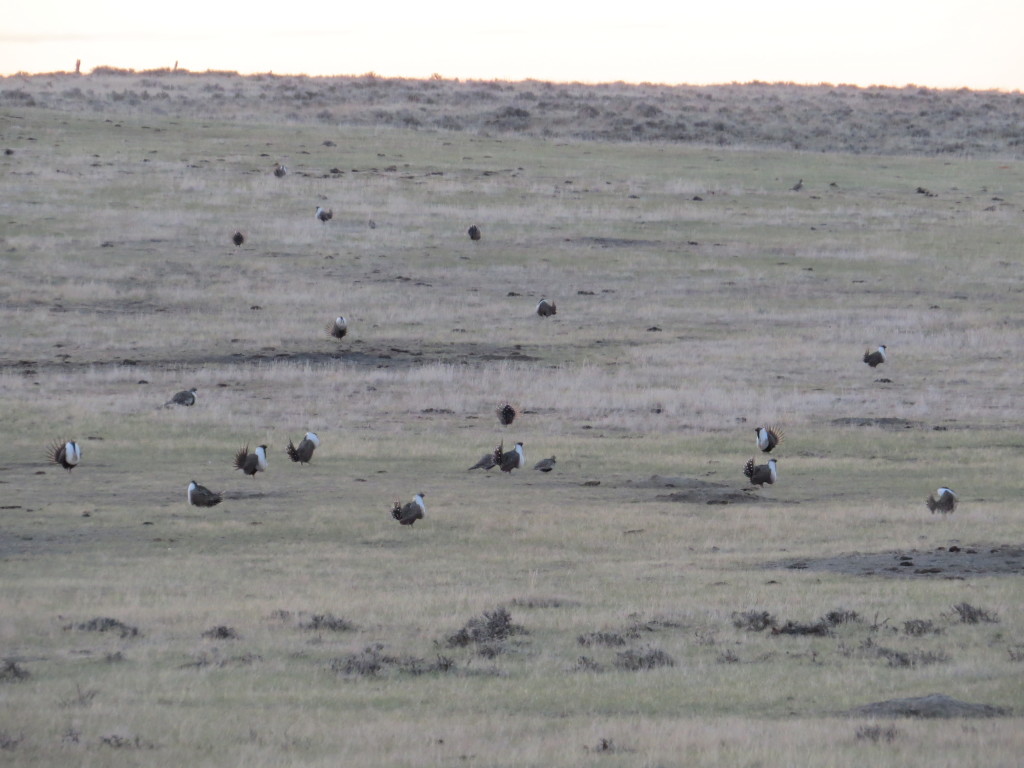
68,453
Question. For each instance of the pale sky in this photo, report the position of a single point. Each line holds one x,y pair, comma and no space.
937,43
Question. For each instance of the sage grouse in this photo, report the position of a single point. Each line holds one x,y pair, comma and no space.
409,513
251,463
324,215
304,452
507,414
238,238
876,358
761,473
768,438
280,170
546,308
514,459
201,496
185,397
486,462
944,500
545,465
338,328
66,453
473,232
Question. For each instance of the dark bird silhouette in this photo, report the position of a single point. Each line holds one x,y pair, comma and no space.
944,501
876,358
546,308
474,233
761,473
324,215
486,462
338,328
280,171
514,459
201,496
798,186
304,452
507,414
238,238
409,513
185,397
768,438
251,463
545,465
67,453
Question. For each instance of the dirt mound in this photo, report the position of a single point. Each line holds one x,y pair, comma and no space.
932,705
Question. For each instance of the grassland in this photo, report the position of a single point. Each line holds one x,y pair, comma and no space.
604,613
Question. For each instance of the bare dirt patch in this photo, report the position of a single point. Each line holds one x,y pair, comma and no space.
691,490
952,562
932,705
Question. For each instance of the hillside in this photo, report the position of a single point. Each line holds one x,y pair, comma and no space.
820,118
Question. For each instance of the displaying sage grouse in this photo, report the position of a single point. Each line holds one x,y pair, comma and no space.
66,453
474,233
876,358
338,328
486,462
304,452
324,215
546,308
251,463
507,414
761,473
409,513
280,171
238,238
768,438
185,397
201,496
944,501
514,459
545,465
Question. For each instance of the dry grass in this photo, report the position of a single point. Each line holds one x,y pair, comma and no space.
298,623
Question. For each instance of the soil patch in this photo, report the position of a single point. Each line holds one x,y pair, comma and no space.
953,562
691,490
884,423
932,705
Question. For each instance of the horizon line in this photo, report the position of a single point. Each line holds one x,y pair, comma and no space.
176,70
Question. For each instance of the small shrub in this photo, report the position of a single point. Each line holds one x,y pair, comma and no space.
876,733
840,616
587,664
367,662
645,658
918,627
969,614
8,742
372,661
106,624
601,638
494,626
320,622
819,628
221,632
607,747
753,621
12,672
910,659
